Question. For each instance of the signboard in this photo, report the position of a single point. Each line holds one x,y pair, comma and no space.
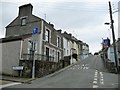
35,31
106,42
17,67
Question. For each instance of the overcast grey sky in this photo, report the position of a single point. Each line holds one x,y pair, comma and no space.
83,18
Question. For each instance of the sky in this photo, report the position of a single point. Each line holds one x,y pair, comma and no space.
83,18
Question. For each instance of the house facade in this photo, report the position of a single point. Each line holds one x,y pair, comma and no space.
29,37
48,40
85,50
12,49
74,47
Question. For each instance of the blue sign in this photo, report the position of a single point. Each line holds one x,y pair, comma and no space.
35,30
106,42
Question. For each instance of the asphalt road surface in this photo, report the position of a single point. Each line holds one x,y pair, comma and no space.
88,73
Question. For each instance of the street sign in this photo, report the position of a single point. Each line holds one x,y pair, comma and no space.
35,31
106,42
17,67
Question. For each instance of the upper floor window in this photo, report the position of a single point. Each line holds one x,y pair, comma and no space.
23,21
47,35
58,41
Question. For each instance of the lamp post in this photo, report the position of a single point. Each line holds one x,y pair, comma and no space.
113,35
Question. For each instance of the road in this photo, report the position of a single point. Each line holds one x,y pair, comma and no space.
88,73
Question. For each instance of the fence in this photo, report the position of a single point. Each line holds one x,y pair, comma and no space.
37,57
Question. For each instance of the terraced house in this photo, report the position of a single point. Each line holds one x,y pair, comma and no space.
48,40
29,37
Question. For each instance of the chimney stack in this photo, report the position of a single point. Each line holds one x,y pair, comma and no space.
25,10
52,25
59,31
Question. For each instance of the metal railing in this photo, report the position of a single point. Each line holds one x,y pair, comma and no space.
37,57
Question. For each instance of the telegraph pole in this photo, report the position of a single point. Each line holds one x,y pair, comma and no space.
113,35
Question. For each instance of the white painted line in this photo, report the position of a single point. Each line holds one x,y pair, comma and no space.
96,72
101,77
95,79
95,76
7,85
73,68
101,82
94,82
86,67
83,65
95,86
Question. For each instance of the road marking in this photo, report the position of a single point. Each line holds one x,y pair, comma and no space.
95,79
83,65
95,76
87,67
95,86
7,85
101,78
95,82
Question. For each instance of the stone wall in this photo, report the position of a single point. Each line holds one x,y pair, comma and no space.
42,68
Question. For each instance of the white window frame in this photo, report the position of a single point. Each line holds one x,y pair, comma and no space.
59,46
23,21
46,28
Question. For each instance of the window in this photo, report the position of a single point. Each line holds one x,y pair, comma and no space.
58,42
47,53
23,21
47,35
58,56
54,55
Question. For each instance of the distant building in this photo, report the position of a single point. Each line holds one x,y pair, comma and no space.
85,50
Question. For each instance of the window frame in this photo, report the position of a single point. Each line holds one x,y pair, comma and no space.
58,41
49,35
23,21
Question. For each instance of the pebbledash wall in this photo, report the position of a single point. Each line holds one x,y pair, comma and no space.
10,56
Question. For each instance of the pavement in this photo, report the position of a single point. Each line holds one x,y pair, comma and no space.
7,78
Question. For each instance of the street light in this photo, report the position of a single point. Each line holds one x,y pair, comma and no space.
107,23
113,35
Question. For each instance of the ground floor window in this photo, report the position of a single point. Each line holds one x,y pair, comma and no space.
47,53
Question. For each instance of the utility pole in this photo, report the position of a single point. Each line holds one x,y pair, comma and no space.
113,35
